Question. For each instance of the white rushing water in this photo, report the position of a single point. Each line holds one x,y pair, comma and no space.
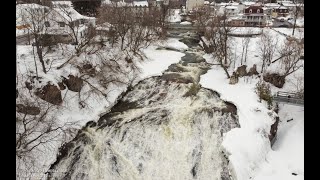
160,129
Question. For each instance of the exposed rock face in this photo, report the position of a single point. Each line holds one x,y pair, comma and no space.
273,131
176,77
30,110
87,66
234,78
50,93
89,69
73,83
28,85
190,41
242,71
154,122
275,79
61,86
253,70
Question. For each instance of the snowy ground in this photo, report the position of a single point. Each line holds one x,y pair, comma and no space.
287,156
254,58
249,148
157,61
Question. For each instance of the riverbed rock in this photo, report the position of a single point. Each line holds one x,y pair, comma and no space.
50,93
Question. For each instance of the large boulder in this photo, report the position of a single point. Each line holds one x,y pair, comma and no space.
28,85
50,93
275,79
73,83
178,78
190,41
30,110
242,71
61,86
234,78
253,70
90,70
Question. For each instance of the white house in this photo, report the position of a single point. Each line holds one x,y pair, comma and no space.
229,11
192,4
239,6
26,14
54,21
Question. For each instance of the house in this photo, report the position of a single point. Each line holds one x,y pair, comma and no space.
237,21
281,11
60,23
25,13
229,11
239,6
61,20
140,3
192,4
276,10
255,16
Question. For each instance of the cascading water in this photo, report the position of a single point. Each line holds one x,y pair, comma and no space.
165,127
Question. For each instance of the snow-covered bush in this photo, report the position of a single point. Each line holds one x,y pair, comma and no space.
264,92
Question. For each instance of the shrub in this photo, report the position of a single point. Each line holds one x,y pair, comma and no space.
264,92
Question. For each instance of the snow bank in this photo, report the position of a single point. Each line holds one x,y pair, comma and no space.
246,30
287,156
246,146
173,43
159,60
185,23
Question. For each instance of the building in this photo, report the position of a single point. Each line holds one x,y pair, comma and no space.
237,21
60,23
276,10
280,11
192,4
230,11
254,16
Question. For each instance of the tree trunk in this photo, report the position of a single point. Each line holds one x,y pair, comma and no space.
243,48
245,56
294,25
225,53
122,41
263,64
226,71
40,56
35,63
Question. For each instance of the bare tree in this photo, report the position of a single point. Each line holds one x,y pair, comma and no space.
267,47
298,83
245,44
34,17
296,12
133,27
120,18
217,34
291,51
37,131
216,29
81,32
